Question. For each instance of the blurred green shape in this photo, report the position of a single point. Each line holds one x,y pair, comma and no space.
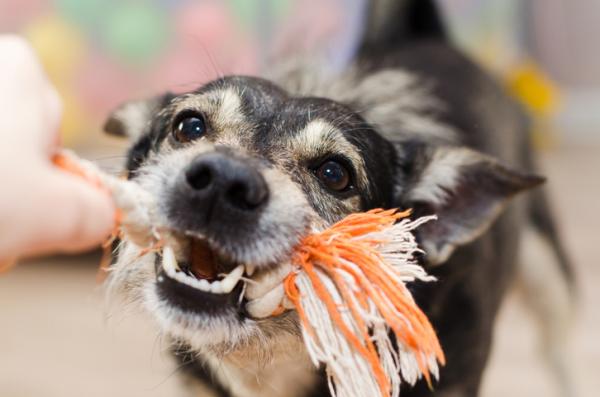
135,32
280,7
247,10
86,13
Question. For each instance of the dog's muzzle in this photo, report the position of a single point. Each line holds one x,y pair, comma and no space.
218,193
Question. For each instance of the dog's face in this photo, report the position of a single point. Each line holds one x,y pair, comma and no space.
241,170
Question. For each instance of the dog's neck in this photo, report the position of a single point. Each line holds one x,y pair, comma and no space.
285,370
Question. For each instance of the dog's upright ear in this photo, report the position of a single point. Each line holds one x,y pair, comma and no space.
132,118
466,189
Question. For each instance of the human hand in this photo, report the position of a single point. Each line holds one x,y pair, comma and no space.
42,209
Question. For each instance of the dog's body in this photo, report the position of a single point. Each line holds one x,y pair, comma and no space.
413,124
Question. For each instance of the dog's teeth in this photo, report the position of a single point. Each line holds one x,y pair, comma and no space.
232,279
169,261
267,304
216,287
225,286
250,269
204,285
182,278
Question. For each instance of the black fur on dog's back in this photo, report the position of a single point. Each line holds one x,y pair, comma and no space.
463,304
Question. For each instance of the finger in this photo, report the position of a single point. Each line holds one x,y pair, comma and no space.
76,216
30,108
20,66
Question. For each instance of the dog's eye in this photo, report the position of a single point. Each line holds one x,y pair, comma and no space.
189,126
334,175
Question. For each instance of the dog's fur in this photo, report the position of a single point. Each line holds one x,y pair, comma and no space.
420,126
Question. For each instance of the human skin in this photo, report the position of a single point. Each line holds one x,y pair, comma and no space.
42,210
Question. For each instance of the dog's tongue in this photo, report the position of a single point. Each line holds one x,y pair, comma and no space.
202,260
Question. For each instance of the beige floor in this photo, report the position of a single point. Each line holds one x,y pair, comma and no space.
56,340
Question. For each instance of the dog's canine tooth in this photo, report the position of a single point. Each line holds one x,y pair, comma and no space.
169,261
266,305
232,279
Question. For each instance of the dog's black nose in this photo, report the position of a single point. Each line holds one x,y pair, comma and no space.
220,182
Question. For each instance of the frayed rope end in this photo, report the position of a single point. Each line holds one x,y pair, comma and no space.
350,294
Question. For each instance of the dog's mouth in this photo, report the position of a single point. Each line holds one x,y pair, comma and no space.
202,280
204,269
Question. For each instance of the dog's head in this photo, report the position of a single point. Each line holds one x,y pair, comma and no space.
242,169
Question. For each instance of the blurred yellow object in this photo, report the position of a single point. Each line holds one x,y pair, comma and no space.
74,117
61,48
529,84
534,89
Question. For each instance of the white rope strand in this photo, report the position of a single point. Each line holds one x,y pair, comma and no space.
349,373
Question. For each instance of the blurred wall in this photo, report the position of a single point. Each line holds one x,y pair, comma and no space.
565,36
100,53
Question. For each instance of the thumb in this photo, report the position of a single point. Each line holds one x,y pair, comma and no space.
75,215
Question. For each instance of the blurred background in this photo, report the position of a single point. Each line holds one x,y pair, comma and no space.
57,338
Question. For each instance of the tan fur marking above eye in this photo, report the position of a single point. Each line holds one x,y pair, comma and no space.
230,108
221,107
223,111
320,138
193,101
234,129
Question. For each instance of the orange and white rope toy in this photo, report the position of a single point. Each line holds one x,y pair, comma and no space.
349,289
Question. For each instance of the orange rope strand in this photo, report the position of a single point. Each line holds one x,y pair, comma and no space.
343,247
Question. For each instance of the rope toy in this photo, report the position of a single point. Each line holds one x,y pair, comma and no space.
349,289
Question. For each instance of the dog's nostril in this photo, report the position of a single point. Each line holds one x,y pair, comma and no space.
199,177
246,197
226,183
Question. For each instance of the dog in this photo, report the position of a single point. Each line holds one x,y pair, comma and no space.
243,167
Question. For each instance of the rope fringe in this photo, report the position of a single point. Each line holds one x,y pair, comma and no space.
349,290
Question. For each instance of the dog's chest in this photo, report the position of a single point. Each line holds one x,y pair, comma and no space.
287,371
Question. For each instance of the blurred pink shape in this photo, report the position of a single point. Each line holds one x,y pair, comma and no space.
306,30
207,44
206,20
103,85
16,13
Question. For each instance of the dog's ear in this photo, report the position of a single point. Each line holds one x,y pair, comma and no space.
466,189
132,118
